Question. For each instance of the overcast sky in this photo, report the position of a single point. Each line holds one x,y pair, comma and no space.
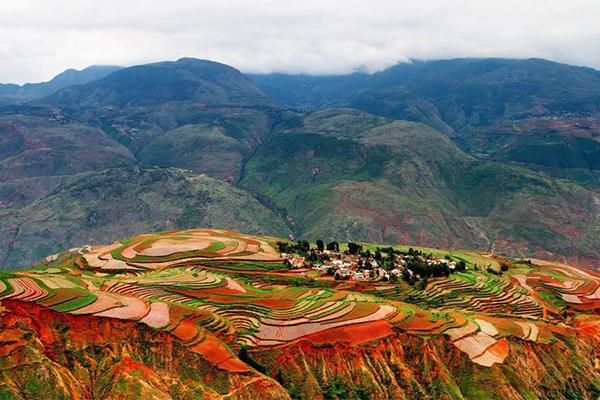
39,38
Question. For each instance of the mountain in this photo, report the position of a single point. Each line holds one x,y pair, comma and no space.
119,202
207,313
209,119
157,109
539,114
334,173
33,146
348,175
39,151
18,94
203,82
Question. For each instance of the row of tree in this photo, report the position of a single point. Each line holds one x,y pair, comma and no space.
303,247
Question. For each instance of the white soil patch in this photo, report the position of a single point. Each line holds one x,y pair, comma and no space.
116,265
158,317
530,330
595,295
487,359
487,327
133,309
457,333
233,285
52,258
522,279
475,345
167,247
570,298
103,302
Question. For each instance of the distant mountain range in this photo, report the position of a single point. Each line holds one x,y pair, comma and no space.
537,113
492,154
16,94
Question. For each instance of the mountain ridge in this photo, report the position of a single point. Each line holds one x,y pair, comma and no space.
506,110
19,94
208,118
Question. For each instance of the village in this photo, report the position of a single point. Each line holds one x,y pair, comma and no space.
358,264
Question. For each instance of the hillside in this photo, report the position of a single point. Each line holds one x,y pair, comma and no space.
40,151
115,203
191,114
207,313
403,182
335,173
540,114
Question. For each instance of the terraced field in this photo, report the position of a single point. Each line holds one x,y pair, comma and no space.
482,292
166,282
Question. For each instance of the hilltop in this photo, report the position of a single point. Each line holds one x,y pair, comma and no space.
207,313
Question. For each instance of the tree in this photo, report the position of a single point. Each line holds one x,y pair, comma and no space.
354,248
388,265
378,255
333,246
461,266
304,246
504,267
294,392
320,245
282,247
335,389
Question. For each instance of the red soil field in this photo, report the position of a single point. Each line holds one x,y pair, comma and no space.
499,349
421,322
360,310
215,351
354,334
274,303
187,329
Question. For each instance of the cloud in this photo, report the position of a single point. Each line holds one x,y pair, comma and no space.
41,38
